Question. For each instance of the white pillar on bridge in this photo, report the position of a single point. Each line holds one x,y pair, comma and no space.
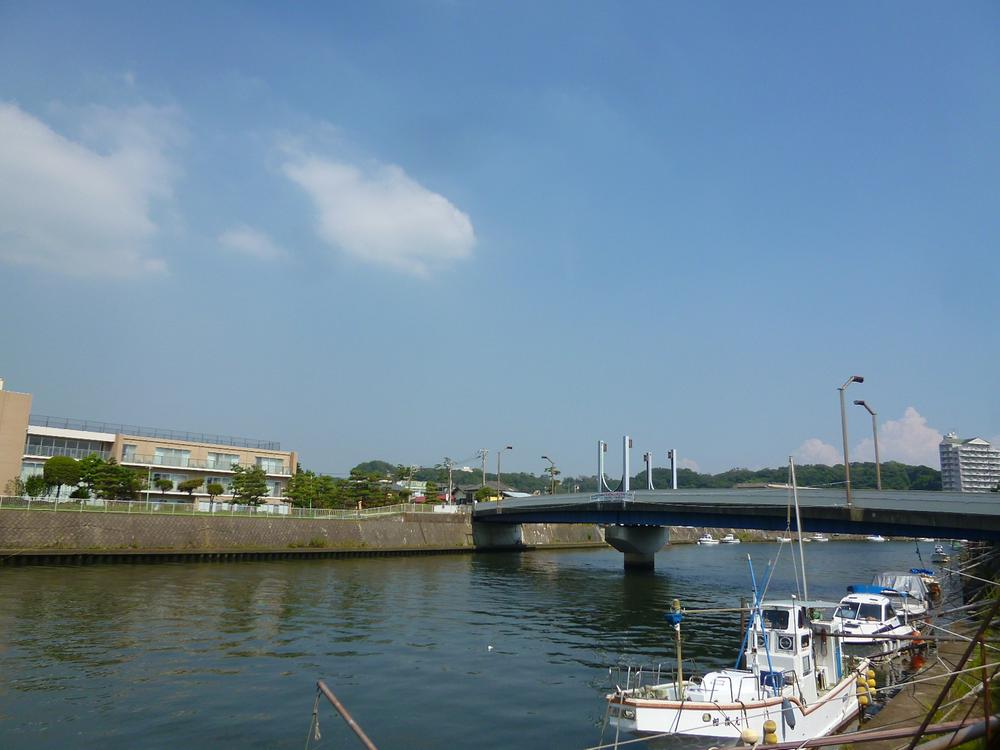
626,444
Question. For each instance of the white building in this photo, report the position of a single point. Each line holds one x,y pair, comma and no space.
971,465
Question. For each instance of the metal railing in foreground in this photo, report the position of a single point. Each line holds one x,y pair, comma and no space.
325,692
205,508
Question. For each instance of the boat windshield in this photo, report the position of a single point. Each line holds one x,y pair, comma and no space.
776,619
858,611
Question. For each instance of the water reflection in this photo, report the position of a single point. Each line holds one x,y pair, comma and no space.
227,655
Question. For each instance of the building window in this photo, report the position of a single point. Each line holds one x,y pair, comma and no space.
171,457
128,452
43,445
274,489
271,465
222,460
31,469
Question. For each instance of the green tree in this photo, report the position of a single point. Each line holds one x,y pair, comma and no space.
80,493
485,493
189,486
61,470
116,482
214,490
35,486
431,492
163,485
302,489
249,484
90,468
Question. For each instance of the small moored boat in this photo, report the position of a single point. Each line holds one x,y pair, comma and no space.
782,539
940,556
707,538
866,612
729,539
820,538
875,538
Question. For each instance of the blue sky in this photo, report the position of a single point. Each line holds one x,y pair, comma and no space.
413,230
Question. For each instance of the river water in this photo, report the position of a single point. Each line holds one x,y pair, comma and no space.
485,651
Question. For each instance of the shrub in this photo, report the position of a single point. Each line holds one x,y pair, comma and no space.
80,493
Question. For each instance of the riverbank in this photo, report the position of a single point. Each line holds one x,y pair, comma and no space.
88,536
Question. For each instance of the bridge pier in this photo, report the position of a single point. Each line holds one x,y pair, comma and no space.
497,535
638,543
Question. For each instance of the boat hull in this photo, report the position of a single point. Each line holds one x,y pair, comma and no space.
724,721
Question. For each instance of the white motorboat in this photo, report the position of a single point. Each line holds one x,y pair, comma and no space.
875,538
927,539
820,538
783,539
908,593
707,538
729,539
867,613
940,556
798,685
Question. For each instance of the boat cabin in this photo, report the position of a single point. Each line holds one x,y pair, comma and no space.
790,645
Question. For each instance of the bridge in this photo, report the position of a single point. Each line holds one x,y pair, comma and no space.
636,521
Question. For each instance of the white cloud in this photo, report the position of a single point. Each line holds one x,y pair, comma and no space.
84,208
908,439
384,217
815,451
688,463
251,242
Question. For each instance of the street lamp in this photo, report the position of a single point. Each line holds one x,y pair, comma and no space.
552,473
499,453
878,470
843,429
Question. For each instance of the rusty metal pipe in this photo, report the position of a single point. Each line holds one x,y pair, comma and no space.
345,715
874,735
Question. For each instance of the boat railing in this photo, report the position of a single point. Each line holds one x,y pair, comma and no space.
629,677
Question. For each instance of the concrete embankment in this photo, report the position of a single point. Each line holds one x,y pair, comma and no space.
54,536
69,534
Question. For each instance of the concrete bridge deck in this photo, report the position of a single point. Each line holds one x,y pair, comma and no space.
953,515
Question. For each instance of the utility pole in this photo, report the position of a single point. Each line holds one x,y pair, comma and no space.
449,463
483,452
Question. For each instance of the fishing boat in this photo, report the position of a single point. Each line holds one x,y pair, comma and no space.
783,539
707,539
875,538
798,685
866,612
729,539
820,538
940,556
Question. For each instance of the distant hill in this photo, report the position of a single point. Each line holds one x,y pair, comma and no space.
895,476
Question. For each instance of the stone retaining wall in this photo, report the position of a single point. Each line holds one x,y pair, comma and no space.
69,530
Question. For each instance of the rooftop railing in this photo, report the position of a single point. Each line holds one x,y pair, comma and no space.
41,420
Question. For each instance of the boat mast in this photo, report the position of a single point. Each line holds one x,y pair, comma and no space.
674,617
798,527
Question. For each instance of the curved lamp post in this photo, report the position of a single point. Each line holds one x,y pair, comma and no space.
878,470
552,474
843,429
500,453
